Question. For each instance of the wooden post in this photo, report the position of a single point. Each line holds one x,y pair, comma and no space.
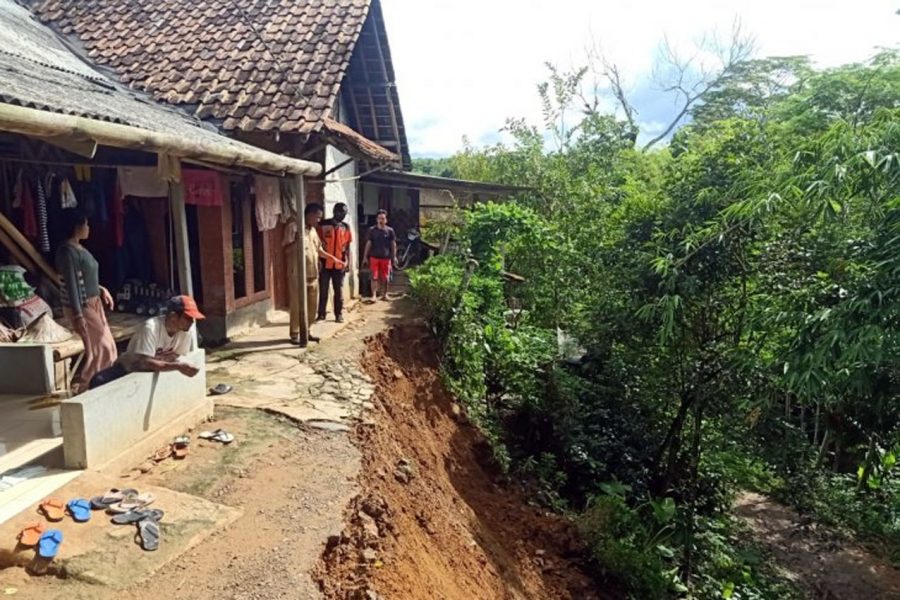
182,248
300,208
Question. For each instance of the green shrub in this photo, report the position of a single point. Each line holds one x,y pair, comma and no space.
625,548
435,288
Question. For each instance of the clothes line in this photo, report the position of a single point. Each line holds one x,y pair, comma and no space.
199,163
29,161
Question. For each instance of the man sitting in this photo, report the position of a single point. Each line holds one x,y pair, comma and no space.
158,344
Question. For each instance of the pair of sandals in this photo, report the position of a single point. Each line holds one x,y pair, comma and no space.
54,509
45,541
122,501
147,522
178,449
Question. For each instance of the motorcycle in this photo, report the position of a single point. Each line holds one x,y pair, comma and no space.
411,251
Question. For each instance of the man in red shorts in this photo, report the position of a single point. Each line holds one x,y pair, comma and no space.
380,253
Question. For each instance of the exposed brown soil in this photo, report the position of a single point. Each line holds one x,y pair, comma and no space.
823,563
433,520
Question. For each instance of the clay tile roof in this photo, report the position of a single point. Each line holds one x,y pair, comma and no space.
226,63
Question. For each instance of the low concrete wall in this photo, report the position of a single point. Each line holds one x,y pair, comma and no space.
125,420
26,369
218,330
247,318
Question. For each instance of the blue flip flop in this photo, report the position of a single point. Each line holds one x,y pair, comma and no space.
80,509
49,543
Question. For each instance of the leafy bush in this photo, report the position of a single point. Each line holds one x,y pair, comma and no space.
435,287
626,547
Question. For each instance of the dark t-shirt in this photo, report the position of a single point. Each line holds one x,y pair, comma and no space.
381,242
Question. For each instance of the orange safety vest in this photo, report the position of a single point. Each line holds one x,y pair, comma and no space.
336,239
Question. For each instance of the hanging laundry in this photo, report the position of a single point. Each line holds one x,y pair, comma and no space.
94,200
67,195
43,231
24,200
17,191
117,212
268,202
142,182
288,199
202,188
83,173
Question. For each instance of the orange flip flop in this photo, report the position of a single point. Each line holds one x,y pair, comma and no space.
162,454
31,534
53,508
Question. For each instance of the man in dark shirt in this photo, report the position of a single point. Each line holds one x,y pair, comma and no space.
380,253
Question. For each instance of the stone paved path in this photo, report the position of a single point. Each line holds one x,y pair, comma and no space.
302,384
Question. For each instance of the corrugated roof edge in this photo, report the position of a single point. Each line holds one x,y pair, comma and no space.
439,183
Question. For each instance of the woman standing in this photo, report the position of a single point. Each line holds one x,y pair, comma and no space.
83,298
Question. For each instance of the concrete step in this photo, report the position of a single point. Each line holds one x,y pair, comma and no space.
27,495
29,452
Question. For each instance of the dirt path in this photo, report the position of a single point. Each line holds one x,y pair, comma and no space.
432,521
819,560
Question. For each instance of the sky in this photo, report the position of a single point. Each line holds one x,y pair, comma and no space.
464,66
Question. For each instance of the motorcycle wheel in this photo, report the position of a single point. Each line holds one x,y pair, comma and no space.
404,260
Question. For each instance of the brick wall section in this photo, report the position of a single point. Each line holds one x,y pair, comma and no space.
215,240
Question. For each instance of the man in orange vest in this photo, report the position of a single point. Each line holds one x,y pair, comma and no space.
336,238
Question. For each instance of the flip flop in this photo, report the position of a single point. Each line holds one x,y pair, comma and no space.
53,509
180,446
148,534
136,516
111,497
130,503
219,435
31,534
80,509
220,389
162,454
49,543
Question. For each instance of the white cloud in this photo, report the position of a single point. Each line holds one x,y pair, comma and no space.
464,67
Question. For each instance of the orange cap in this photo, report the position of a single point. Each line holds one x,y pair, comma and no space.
186,306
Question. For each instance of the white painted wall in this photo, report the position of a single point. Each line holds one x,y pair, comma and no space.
138,409
341,186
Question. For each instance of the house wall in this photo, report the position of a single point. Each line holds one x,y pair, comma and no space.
343,188
438,205
227,316
402,204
